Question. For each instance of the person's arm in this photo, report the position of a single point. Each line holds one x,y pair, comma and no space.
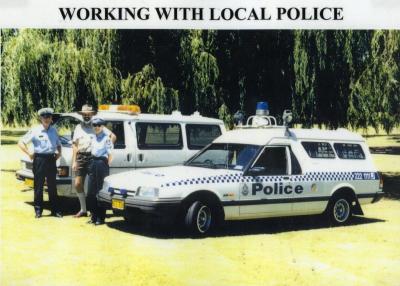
110,134
109,159
109,147
22,143
58,154
113,137
25,149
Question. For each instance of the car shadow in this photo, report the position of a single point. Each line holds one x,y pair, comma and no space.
235,228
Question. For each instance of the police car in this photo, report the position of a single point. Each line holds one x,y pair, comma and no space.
143,141
258,170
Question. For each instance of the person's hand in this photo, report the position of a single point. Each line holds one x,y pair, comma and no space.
58,155
31,155
74,166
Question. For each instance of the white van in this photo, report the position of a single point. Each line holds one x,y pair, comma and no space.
143,141
258,170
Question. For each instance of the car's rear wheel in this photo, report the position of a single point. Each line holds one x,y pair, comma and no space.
339,210
199,218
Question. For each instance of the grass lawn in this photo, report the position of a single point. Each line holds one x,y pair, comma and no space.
289,251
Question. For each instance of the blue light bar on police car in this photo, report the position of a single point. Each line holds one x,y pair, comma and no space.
262,108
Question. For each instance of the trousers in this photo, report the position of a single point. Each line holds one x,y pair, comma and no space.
98,170
44,168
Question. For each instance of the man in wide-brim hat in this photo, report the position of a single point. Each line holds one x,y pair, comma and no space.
81,152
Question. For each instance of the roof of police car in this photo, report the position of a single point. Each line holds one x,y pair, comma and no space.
175,117
261,136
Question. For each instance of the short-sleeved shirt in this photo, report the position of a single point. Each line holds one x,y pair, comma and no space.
101,145
84,134
45,141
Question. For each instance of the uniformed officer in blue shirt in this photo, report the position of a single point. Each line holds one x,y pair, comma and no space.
98,169
46,151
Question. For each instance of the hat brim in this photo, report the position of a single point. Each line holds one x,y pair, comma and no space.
46,114
85,112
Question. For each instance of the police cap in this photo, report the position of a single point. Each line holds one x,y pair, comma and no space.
45,111
98,121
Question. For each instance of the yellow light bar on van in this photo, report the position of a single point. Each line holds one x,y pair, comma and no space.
128,108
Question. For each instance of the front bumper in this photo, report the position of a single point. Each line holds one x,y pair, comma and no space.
166,208
64,184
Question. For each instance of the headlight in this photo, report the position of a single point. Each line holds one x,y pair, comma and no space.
147,192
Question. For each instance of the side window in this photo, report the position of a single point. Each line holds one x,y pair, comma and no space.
322,150
65,127
159,135
117,127
296,169
273,160
198,136
349,151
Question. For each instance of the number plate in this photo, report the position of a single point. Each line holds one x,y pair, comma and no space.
117,204
29,182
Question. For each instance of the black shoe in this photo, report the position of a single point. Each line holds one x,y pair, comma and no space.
92,220
57,214
99,221
38,215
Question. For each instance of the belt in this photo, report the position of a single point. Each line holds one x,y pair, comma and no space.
45,155
99,158
85,153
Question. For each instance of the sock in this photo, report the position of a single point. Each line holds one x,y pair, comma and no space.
82,201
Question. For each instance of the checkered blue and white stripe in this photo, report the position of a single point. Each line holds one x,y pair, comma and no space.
237,178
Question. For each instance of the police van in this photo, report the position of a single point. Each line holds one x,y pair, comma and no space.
143,141
258,170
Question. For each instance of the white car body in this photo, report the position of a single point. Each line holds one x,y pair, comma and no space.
239,194
127,154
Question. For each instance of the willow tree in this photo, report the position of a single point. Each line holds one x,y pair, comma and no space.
148,91
58,68
199,71
375,97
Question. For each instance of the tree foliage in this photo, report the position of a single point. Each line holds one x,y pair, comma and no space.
332,78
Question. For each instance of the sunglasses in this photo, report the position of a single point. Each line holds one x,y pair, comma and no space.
96,125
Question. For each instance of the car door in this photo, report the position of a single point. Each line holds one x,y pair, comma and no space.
159,144
123,153
267,189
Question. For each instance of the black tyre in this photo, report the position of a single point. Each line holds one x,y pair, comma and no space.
339,210
199,218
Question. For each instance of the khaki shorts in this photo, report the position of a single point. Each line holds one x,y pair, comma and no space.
82,162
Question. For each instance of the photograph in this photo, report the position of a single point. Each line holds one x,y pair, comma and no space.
200,156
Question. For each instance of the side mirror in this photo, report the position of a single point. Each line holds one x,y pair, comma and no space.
256,171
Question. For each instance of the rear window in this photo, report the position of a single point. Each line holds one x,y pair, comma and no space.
117,127
198,136
159,135
322,150
349,151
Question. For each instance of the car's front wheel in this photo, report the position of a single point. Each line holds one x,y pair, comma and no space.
199,218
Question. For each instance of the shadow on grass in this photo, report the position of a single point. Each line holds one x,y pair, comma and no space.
68,206
391,185
235,228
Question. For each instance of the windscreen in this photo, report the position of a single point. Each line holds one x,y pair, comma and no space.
225,156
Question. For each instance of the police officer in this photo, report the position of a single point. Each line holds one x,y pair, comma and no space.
81,153
98,169
47,149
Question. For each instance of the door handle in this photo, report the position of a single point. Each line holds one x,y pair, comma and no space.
140,157
286,178
128,157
